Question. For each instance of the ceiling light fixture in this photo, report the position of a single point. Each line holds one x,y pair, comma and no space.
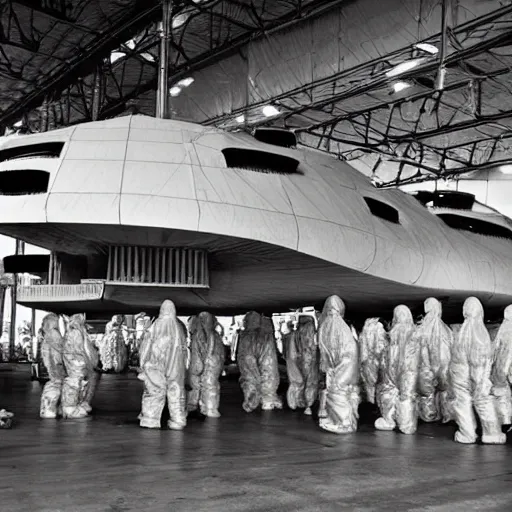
148,56
506,169
186,82
174,91
270,111
114,56
426,47
130,44
180,19
400,86
403,67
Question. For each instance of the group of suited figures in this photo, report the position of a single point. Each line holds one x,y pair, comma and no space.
411,371
426,371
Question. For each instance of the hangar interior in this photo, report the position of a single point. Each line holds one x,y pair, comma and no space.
297,158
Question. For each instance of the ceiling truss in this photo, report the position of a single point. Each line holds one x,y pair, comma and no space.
423,131
65,62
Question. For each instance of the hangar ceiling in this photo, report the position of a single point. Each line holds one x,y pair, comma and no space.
357,78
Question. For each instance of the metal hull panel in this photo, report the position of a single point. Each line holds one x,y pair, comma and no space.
159,182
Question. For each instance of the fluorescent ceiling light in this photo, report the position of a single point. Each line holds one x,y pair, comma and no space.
186,82
270,111
148,56
174,91
130,44
505,169
403,67
429,48
116,56
180,19
240,119
400,86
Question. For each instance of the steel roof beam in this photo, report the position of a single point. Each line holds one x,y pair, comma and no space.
86,60
297,15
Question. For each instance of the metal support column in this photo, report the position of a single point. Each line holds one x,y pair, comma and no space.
3,293
441,72
162,107
20,250
43,127
96,93
33,323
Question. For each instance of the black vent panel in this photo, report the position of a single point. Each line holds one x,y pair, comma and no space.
42,150
446,199
383,210
260,161
479,226
276,137
23,182
31,263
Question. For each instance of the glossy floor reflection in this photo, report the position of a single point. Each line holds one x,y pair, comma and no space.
266,461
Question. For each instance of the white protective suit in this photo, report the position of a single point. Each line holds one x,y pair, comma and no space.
257,362
6,419
501,374
373,341
206,365
470,372
80,361
302,365
113,351
163,356
339,360
287,330
436,340
52,353
397,392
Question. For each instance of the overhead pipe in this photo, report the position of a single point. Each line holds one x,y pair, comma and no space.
162,107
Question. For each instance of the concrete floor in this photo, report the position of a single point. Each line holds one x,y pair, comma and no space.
265,461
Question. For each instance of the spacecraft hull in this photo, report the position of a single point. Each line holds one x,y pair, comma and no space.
276,238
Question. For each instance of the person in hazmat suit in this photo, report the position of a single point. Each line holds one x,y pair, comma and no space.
113,351
373,341
287,330
257,362
470,378
436,340
6,419
206,365
52,353
339,360
302,365
163,356
397,391
501,373
80,362
94,375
